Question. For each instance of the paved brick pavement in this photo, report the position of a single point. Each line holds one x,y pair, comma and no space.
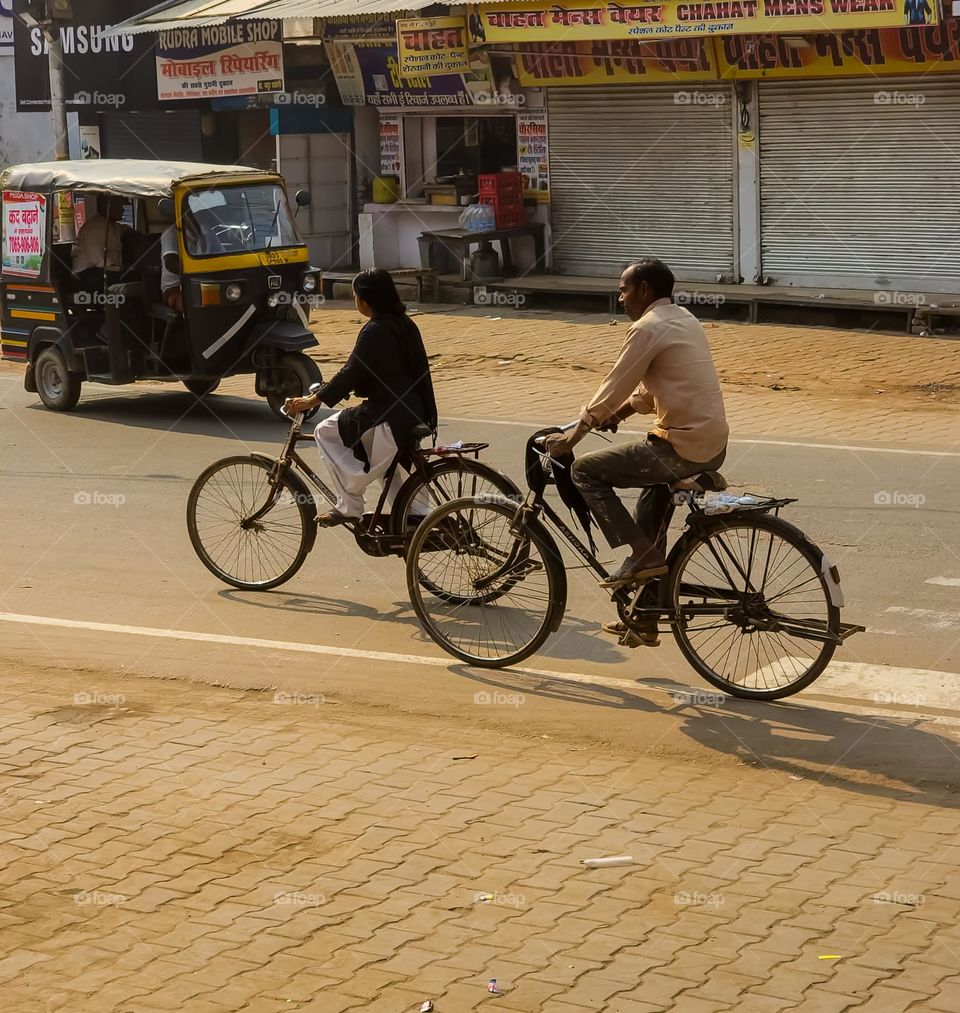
179,847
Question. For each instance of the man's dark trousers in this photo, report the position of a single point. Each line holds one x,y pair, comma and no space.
652,462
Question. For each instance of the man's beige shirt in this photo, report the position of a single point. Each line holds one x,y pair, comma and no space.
665,368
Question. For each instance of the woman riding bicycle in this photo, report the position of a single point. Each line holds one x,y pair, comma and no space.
388,367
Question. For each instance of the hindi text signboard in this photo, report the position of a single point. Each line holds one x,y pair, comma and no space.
429,46
574,20
24,221
236,58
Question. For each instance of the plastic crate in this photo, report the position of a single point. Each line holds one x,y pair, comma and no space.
511,219
497,184
503,205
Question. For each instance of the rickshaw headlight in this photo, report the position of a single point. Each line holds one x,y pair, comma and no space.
309,283
233,292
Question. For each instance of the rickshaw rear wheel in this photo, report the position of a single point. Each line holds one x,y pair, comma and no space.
201,388
59,389
299,371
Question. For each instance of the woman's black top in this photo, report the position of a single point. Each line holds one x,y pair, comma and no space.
388,367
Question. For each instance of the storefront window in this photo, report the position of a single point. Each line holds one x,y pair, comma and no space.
475,144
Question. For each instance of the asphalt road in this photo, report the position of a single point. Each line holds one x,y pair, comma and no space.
93,532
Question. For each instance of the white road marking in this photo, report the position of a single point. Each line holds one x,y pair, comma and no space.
944,581
897,686
929,617
533,426
918,688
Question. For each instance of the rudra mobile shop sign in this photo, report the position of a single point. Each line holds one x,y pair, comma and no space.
428,46
239,58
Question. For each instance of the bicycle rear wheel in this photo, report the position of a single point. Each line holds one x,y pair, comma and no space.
768,626
501,592
253,557
449,479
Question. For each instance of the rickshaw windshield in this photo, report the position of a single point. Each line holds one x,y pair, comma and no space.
238,219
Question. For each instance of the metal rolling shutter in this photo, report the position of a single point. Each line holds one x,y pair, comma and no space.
859,187
638,171
171,135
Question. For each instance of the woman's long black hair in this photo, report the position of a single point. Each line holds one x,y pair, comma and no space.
376,288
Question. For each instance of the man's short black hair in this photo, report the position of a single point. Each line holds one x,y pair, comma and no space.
655,273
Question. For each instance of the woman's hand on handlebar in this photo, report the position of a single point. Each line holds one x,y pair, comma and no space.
297,405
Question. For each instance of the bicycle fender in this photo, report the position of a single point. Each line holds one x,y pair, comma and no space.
828,569
305,500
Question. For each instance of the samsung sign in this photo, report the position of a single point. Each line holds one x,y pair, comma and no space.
102,73
80,40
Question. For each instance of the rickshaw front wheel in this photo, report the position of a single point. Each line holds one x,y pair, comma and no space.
59,389
290,376
201,388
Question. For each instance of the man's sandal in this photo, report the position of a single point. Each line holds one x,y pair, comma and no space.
632,638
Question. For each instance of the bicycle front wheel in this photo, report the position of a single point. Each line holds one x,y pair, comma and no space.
501,591
755,615
252,556
448,479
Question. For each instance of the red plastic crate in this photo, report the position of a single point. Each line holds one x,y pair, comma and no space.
503,204
496,184
511,219
508,215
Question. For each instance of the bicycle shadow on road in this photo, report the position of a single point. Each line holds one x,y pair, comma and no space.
867,754
816,744
318,605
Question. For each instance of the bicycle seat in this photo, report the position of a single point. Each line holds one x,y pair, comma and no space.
706,481
421,433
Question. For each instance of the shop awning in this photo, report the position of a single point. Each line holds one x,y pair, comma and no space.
199,13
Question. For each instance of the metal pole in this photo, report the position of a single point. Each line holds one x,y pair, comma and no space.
58,107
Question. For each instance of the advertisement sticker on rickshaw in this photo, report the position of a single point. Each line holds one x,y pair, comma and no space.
24,221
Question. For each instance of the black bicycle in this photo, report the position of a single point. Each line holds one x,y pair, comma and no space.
752,602
252,519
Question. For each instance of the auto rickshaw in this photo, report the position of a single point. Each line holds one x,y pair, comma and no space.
230,244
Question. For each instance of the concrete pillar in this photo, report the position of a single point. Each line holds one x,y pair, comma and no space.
747,128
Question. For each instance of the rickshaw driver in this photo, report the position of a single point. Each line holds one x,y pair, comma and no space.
98,248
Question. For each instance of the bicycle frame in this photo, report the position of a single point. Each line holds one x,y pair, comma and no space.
647,604
369,532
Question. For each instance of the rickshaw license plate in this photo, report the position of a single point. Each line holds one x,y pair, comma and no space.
272,258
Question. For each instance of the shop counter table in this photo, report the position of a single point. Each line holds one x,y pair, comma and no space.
459,241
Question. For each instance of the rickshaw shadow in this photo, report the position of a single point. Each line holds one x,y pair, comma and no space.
222,415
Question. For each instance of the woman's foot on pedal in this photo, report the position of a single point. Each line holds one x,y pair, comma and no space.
331,518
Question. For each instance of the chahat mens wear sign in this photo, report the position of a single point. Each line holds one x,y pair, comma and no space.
103,73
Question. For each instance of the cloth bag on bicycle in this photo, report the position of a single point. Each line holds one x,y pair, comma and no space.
543,470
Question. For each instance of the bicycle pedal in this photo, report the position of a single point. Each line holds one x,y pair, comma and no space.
631,639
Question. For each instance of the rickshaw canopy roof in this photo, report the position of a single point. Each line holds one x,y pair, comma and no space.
125,177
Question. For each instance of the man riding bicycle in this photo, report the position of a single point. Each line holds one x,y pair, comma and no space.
665,368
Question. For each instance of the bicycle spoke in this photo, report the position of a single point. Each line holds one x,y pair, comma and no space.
264,553
768,592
